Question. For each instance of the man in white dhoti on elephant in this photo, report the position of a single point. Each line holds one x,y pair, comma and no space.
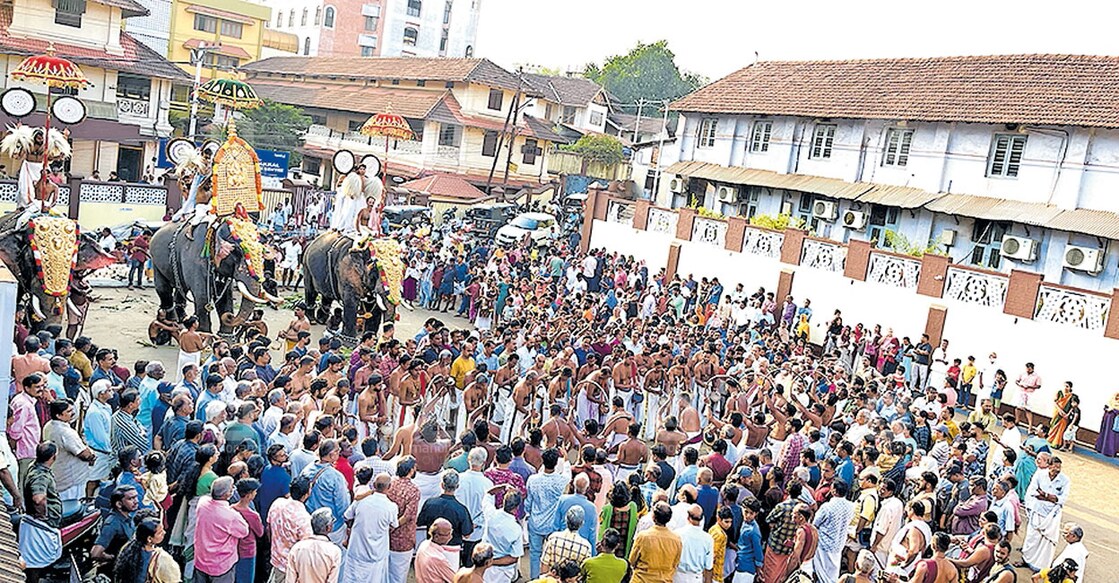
1045,498
348,202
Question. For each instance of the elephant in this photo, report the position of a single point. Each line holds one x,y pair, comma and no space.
339,270
180,267
18,256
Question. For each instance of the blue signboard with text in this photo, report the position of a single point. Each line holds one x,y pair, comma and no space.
273,163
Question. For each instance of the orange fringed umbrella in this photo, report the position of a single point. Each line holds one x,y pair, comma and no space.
388,125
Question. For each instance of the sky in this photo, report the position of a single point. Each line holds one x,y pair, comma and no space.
717,37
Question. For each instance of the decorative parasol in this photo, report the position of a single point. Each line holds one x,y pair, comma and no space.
388,125
230,93
55,72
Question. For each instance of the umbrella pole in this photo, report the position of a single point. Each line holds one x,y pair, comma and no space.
47,130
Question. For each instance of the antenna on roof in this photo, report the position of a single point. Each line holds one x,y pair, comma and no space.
755,59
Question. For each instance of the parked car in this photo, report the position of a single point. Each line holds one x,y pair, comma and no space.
404,215
488,218
539,226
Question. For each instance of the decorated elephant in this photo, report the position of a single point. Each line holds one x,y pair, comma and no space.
209,264
364,275
49,257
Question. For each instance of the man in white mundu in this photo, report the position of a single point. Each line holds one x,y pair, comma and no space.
1045,498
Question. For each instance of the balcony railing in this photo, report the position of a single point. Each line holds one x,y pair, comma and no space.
133,107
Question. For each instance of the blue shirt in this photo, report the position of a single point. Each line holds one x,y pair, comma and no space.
698,553
97,427
330,490
300,459
149,396
750,554
503,532
845,470
275,482
708,500
590,515
687,476
203,400
473,490
544,492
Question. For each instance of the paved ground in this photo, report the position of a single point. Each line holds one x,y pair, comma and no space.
119,319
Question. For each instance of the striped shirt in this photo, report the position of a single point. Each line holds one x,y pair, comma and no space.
127,431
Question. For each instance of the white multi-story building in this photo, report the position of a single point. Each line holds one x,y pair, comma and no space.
1002,162
380,28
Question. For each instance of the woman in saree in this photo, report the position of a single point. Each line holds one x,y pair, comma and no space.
1062,406
621,514
1026,465
196,482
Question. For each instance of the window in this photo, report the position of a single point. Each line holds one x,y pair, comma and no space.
897,147
448,135
529,152
369,51
303,19
395,82
497,96
205,23
68,12
822,139
987,237
414,7
231,29
882,219
443,41
548,111
354,125
447,13
759,136
318,15
568,116
291,18
134,87
279,18
706,133
370,23
307,46
221,61
596,118
749,206
489,144
449,85
1006,155
411,35
328,17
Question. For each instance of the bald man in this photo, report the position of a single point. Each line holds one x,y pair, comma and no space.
434,557
370,520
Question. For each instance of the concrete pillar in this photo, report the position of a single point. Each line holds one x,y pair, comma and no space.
784,288
736,232
75,197
1021,293
934,270
791,248
641,214
684,223
858,259
1111,330
673,262
175,198
588,219
934,323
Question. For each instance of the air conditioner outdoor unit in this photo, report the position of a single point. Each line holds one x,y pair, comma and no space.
854,220
1084,258
728,194
824,209
676,184
1019,248
948,237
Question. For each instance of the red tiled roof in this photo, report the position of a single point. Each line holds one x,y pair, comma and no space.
129,8
1026,89
137,58
447,186
227,50
409,103
481,71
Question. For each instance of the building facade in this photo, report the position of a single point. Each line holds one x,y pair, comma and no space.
234,27
456,107
380,28
130,84
1003,163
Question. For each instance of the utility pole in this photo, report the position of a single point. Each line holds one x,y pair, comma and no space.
197,55
501,137
660,153
512,137
637,124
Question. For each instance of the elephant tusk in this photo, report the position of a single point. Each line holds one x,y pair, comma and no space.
245,294
70,305
272,298
381,303
36,308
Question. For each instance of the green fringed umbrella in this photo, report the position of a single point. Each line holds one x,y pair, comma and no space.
231,93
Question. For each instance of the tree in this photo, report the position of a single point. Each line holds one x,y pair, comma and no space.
598,148
273,126
648,71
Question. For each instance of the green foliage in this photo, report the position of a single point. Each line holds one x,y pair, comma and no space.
648,71
598,148
272,126
899,243
779,222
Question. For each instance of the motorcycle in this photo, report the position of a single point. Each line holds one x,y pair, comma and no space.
80,526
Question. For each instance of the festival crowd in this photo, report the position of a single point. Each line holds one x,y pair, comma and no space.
609,423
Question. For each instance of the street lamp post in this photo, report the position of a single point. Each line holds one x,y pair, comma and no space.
197,55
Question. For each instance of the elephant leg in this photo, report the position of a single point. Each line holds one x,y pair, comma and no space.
349,313
202,307
224,305
164,290
310,294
